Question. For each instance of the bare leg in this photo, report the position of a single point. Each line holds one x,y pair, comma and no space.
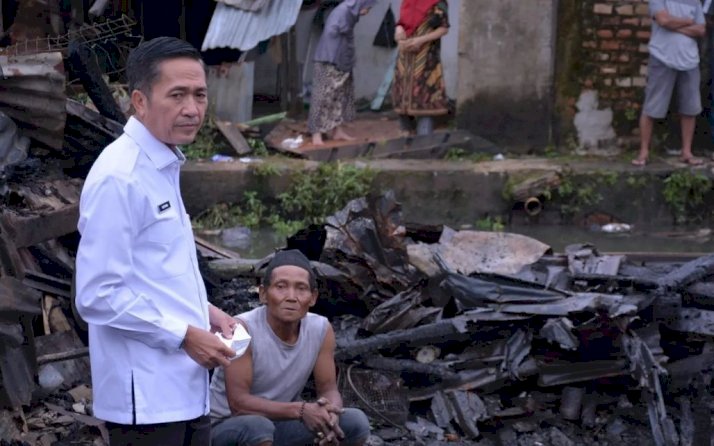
317,139
646,125
688,123
341,135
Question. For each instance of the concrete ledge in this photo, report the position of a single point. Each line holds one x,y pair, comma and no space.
457,192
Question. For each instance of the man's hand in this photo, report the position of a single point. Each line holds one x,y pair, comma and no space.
220,321
335,434
205,348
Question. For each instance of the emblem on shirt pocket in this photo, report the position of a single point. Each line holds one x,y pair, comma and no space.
165,206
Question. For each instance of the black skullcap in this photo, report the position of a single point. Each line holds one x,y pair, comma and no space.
291,257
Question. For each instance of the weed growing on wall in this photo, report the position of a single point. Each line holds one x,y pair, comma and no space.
684,191
312,197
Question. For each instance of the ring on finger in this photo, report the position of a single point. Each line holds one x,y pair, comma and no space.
320,434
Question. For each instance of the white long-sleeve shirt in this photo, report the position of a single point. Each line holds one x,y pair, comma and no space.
138,284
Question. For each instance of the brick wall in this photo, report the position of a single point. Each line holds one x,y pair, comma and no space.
614,51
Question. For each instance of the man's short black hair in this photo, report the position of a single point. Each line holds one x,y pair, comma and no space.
291,257
142,66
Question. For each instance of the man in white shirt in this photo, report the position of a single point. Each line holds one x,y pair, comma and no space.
138,283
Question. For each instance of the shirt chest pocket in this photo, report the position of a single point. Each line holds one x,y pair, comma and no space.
163,248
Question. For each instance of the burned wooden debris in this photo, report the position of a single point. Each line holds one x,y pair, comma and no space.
479,321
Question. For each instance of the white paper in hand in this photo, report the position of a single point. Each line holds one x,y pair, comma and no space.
239,342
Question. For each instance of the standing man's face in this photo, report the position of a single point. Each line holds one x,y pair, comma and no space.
176,106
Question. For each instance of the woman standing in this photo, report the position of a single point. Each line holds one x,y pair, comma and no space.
333,94
418,90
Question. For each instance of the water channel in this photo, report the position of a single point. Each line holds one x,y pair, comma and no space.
690,240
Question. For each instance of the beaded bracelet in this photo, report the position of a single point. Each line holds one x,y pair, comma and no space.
302,411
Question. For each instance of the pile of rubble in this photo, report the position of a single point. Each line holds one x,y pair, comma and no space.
477,335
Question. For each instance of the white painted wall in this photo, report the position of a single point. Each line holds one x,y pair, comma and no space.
372,61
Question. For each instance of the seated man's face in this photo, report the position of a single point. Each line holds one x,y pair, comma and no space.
288,297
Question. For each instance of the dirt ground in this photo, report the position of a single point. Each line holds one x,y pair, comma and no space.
368,127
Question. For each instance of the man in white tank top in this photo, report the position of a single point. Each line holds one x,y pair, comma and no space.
256,400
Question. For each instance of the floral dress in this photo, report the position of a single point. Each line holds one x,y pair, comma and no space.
418,88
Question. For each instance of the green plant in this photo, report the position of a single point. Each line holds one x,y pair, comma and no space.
209,141
489,223
317,194
551,151
607,177
455,154
636,182
312,196
222,215
258,146
266,169
576,195
684,191
631,114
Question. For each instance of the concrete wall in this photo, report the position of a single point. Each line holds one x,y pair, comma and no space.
506,70
372,61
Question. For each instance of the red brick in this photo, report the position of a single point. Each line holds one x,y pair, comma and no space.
609,45
643,48
611,21
589,44
602,8
603,57
608,69
623,82
605,33
625,10
631,21
646,22
644,35
623,58
624,33
639,81
642,9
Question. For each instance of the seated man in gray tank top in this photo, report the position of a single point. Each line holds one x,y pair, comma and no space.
256,399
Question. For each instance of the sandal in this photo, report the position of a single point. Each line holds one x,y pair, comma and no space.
639,162
691,161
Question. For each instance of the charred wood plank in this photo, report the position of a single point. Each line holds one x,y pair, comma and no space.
48,284
688,273
620,281
694,320
31,230
63,356
450,329
17,299
409,366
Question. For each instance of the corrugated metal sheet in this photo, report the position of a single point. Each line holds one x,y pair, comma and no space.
32,93
234,28
246,5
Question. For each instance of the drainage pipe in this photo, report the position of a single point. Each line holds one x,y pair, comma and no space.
533,206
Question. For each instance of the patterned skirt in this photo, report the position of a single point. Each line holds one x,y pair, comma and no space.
333,98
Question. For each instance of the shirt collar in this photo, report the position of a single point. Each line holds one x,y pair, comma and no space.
159,153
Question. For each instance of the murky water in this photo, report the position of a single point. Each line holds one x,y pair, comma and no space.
697,240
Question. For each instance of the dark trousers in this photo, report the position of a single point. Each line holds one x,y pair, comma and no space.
196,432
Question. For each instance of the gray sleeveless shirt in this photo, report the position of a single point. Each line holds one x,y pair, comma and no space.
280,370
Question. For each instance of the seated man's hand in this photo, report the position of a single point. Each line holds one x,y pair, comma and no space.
205,348
335,435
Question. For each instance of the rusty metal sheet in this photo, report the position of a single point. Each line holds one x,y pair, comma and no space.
505,253
585,259
32,93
